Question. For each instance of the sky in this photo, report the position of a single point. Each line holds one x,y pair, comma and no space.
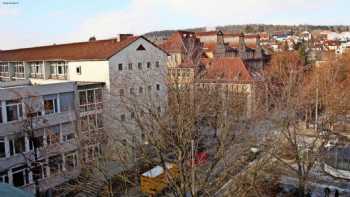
26,23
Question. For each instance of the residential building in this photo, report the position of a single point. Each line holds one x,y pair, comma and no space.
41,117
235,82
183,46
121,64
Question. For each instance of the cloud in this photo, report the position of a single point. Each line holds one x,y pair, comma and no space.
141,16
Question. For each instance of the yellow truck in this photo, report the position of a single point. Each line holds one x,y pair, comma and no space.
157,179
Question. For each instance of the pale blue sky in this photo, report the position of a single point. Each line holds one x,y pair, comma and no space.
38,22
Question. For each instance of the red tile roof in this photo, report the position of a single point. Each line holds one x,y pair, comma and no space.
209,46
206,33
92,50
227,70
178,41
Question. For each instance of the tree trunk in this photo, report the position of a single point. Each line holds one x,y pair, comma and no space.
301,189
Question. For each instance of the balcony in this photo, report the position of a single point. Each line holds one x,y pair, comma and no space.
58,76
4,75
91,107
37,75
19,75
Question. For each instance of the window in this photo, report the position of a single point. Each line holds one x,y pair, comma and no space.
19,70
90,99
68,137
130,66
132,115
14,110
157,64
38,139
98,95
17,145
4,70
4,177
55,164
58,68
50,104
20,176
139,65
39,170
2,147
121,92
120,67
132,91
148,64
99,121
140,90
91,96
66,101
158,87
84,123
53,134
71,160
78,70
36,70
82,100
0,114
149,88
122,117
92,122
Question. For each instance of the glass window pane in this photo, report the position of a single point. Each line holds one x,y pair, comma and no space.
90,96
66,101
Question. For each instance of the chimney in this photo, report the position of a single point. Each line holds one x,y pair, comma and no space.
92,39
121,37
241,41
258,44
220,38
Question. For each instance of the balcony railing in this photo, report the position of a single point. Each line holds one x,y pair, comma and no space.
19,75
56,76
91,107
4,74
37,75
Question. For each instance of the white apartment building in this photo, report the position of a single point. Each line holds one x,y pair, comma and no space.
49,110
127,66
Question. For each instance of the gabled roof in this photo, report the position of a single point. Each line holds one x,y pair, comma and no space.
178,42
91,50
227,70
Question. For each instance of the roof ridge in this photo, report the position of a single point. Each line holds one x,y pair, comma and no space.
68,43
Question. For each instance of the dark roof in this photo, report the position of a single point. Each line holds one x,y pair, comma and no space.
91,50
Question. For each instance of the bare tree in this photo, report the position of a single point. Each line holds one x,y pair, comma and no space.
297,96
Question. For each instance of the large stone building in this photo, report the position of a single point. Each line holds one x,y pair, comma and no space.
41,117
223,70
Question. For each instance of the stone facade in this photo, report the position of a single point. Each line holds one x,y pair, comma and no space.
254,57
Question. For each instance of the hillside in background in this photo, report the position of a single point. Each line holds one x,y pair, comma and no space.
252,28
